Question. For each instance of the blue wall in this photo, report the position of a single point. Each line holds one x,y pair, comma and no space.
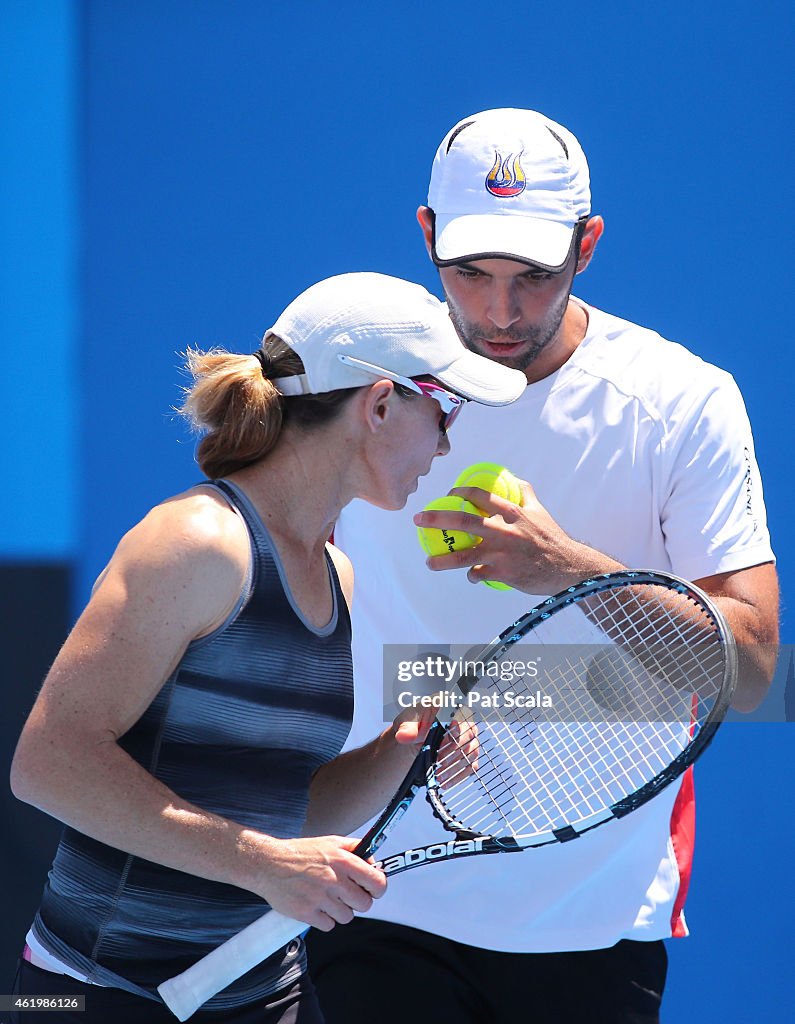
236,153
231,154
38,278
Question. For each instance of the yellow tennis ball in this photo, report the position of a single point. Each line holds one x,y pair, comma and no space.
496,479
491,477
442,542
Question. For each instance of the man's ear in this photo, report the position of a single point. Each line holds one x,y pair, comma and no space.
590,236
425,218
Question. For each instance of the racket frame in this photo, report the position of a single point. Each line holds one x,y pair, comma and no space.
421,773
186,992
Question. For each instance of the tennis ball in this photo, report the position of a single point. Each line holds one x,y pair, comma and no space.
496,479
442,542
491,477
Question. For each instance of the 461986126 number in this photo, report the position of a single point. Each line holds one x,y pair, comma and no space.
20,1003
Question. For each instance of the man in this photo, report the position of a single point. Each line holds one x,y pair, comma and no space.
637,454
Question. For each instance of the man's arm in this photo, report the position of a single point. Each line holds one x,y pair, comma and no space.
524,547
749,599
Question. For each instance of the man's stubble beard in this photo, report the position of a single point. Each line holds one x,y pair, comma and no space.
537,336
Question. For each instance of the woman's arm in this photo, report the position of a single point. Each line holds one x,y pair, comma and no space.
174,577
353,787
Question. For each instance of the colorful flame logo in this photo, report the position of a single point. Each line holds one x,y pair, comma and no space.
506,179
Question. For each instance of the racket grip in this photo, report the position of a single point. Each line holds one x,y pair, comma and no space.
185,993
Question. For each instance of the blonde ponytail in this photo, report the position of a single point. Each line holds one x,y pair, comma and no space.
235,404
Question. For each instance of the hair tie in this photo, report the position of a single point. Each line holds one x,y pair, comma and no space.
265,362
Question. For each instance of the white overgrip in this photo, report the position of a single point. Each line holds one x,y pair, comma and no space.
185,993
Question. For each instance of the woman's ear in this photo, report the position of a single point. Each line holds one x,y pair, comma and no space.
377,403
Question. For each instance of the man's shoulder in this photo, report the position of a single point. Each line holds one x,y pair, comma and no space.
639,362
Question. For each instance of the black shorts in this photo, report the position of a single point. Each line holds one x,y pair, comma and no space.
374,971
294,1005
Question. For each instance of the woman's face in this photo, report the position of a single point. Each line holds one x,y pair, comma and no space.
411,437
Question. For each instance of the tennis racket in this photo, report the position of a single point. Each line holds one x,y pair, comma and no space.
577,714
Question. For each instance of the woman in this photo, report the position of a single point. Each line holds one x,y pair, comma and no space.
208,682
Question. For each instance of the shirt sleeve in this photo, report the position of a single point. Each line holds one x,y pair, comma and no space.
713,515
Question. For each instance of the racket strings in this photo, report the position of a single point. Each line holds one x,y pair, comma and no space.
623,709
507,756
513,741
669,632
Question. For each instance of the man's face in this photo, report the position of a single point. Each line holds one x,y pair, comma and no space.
506,310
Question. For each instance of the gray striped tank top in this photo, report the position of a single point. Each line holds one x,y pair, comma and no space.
251,711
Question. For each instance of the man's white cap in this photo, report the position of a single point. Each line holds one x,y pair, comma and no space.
509,184
385,323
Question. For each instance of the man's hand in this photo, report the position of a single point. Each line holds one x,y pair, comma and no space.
522,545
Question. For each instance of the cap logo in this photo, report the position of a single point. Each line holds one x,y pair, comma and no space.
506,178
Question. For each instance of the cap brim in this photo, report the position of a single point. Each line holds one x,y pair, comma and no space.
482,380
480,236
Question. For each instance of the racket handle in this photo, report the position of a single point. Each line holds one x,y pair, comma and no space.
185,993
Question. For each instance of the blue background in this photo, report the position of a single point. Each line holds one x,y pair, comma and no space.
173,173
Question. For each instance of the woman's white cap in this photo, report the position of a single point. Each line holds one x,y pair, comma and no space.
389,324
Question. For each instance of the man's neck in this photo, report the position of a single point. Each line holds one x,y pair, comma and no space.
573,329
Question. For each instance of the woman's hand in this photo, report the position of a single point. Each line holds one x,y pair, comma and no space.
317,880
457,756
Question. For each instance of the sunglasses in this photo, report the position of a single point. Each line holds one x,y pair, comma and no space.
450,403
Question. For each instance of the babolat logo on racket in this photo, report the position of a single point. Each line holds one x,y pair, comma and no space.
440,851
506,178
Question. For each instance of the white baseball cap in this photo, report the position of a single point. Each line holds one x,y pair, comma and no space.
346,327
509,184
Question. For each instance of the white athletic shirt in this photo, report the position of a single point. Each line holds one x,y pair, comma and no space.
643,451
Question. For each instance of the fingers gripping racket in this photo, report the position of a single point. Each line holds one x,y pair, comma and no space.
633,672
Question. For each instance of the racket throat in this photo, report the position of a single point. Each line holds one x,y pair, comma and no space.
450,849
